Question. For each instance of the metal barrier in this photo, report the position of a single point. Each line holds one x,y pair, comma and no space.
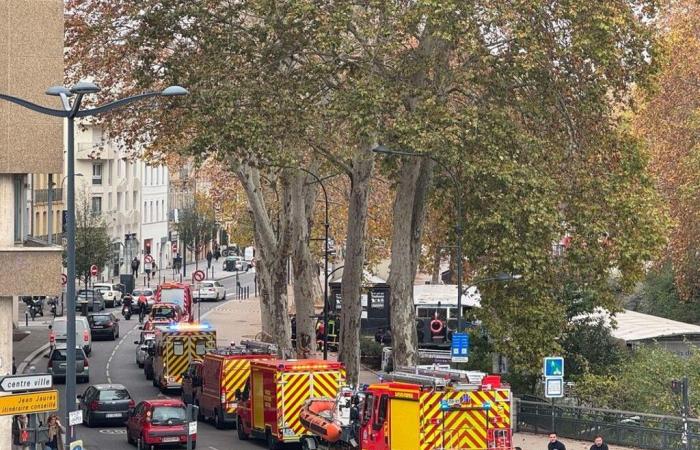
631,429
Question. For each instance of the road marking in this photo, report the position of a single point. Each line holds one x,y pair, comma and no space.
213,448
112,431
114,352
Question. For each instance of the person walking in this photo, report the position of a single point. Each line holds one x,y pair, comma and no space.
135,263
555,443
210,256
217,254
20,432
56,432
598,444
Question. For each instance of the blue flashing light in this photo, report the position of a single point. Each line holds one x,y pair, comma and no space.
486,405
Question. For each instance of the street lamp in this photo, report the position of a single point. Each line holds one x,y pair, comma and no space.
71,111
459,229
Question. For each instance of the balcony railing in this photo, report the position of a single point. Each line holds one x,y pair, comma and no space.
42,195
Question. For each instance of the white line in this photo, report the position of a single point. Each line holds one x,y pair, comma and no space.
213,448
114,352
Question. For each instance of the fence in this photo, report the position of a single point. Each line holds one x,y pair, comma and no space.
631,429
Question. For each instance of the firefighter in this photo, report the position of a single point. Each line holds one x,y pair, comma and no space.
320,332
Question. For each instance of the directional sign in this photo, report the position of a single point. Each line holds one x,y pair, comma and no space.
554,387
20,383
198,275
33,402
460,347
75,417
93,270
553,366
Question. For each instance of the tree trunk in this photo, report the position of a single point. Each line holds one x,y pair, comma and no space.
274,251
264,284
351,287
306,281
409,216
435,279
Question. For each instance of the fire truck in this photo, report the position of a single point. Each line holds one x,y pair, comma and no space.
271,402
175,347
423,408
178,293
214,382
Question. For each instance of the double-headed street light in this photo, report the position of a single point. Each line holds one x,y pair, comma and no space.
71,110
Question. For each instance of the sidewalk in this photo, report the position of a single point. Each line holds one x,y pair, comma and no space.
169,275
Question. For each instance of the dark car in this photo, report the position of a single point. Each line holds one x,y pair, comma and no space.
105,403
158,422
92,298
148,362
104,325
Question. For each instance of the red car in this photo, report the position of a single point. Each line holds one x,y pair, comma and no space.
179,294
158,422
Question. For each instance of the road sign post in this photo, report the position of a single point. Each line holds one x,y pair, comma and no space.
460,347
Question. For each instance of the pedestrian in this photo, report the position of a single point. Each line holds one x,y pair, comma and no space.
135,263
20,432
14,366
210,256
379,335
217,254
598,444
554,443
56,432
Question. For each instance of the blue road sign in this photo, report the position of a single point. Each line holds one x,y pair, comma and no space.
553,366
460,347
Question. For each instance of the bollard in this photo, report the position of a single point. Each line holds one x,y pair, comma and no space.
26,318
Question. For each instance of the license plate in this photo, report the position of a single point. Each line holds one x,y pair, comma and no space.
113,415
97,326
171,439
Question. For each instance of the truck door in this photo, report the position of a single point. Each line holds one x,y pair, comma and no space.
404,428
258,402
296,389
373,432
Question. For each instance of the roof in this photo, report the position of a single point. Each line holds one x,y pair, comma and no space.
635,326
108,386
446,294
165,402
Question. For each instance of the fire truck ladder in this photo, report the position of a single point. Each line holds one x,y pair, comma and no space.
259,347
442,371
423,380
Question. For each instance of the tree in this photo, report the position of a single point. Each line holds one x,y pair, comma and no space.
92,243
196,226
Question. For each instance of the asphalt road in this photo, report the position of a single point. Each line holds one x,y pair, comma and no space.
114,362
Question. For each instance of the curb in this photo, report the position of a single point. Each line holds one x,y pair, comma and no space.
32,356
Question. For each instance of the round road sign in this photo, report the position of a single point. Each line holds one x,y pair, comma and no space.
174,247
148,259
198,275
64,279
93,270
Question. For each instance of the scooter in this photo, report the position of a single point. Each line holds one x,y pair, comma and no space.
126,309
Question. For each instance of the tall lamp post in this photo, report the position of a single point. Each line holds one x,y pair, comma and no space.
459,229
71,111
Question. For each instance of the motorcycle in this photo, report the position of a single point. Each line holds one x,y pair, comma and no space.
35,307
126,308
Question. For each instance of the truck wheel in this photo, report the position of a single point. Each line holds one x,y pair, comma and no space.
219,422
242,435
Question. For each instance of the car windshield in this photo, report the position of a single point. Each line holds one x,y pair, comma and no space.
60,354
102,288
164,313
101,319
146,292
176,296
108,395
207,285
168,415
60,326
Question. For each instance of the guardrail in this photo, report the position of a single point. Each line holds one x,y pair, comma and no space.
632,429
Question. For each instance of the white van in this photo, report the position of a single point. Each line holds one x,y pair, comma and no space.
82,332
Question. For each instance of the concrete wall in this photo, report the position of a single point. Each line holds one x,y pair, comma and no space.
30,271
31,60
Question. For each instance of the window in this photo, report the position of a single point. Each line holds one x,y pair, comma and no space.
97,173
200,348
96,203
178,348
136,200
119,167
150,211
144,212
119,201
109,201
110,166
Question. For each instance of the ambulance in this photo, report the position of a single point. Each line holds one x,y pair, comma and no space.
271,402
177,345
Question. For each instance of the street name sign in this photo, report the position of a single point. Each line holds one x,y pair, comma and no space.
17,383
32,402
553,366
460,347
554,387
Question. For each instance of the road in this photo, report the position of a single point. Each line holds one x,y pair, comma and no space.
114,361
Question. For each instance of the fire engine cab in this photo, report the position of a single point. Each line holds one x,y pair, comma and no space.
423,409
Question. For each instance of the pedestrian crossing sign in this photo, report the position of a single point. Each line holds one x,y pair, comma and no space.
553,366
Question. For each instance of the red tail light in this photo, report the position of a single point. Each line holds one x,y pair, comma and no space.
52,337
86,335
94,405
109,324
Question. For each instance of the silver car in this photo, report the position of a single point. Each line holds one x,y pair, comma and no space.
83,336
57,364
142,347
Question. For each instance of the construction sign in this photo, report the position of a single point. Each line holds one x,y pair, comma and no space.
32,402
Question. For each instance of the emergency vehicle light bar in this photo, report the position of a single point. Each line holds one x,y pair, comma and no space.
189,327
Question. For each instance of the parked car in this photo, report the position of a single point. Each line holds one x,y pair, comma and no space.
235,264
83,335
111,293
148,293
157,422
57,364
104,325
210,290
142,347
91,297
148,362
105,403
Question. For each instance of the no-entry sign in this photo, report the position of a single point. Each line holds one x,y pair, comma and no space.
64,279
198,275
93,270
148,259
